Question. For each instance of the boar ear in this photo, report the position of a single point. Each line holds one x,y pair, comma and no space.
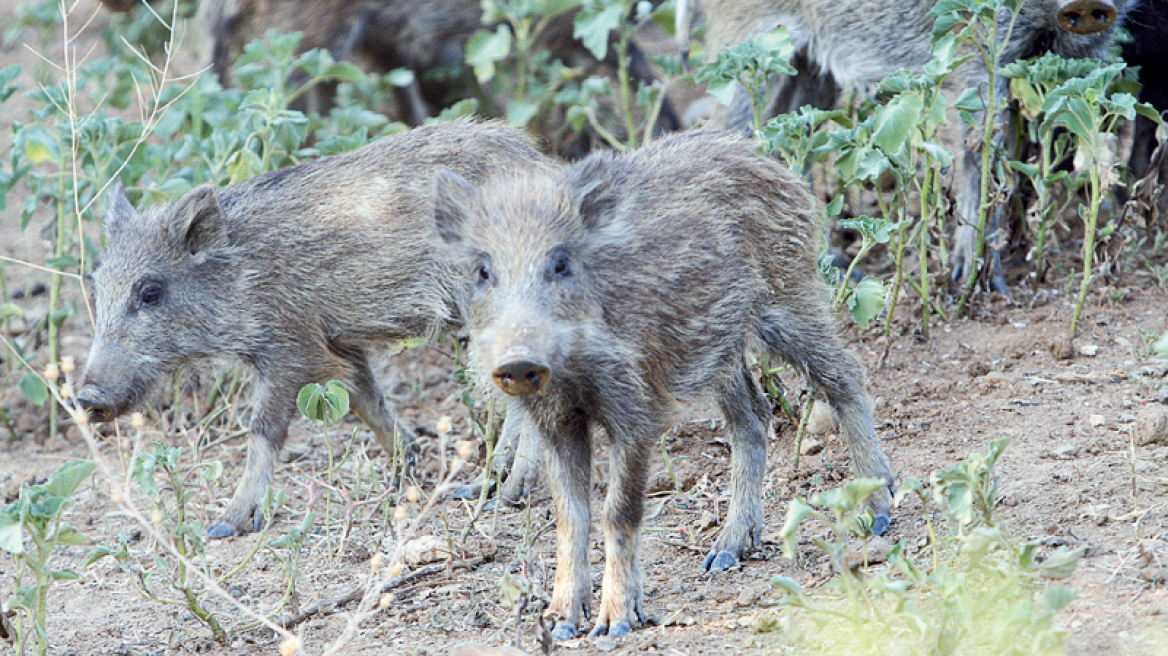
453,197
198,221
118,210
591,184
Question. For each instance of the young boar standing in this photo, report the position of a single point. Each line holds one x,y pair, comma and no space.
298,273
610,293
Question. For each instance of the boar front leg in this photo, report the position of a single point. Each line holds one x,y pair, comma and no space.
622,591
569,464
269,427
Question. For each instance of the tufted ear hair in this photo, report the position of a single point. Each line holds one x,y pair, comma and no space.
118,210
592,185
454,196
197,220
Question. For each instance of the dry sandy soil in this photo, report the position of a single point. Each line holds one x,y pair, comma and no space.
1074,475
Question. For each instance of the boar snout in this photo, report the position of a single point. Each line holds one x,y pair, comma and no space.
521,375
99,411
1086,16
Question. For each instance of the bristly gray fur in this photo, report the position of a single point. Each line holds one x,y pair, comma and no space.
299,273
630,284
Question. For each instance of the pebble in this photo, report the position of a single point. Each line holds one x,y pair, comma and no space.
810,447
1152,425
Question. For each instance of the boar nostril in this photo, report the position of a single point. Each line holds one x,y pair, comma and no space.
98,412
521,377
1087,16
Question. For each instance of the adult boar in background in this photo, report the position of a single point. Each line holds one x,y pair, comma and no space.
385,34
299,274
859,42
1148,48
609,294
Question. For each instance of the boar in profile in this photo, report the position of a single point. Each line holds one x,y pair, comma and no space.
298,274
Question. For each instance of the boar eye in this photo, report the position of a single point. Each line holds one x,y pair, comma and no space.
561,267
484,272
150,294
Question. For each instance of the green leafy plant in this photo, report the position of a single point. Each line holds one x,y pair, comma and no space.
31,529
980,595
509,63
748,66
865,300
1031,82
1089,110
169,577
985,26
80,140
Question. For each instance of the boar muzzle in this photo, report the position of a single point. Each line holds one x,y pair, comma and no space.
1086,16
99,411
521,376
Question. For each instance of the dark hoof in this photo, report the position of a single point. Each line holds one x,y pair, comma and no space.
564,631
220,530
620,629
257,523
720,561
880,524
617,630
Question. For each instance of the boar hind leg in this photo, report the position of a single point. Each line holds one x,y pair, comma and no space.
269,427
569,464
522,456
805,337
396,439
748,417
517,460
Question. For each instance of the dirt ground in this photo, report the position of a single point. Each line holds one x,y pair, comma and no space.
1075,474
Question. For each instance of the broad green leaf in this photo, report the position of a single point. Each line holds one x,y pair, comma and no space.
550,8
10,310
485,49
860,489
1057,598
833,208
70,475
142,473
593,25
33,388
65,575
723,91
794,596
797,510
1027,94
970,101
464,107
11,534
866,301
1063,562
895,121
327,402
99,552
40,146
46,506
